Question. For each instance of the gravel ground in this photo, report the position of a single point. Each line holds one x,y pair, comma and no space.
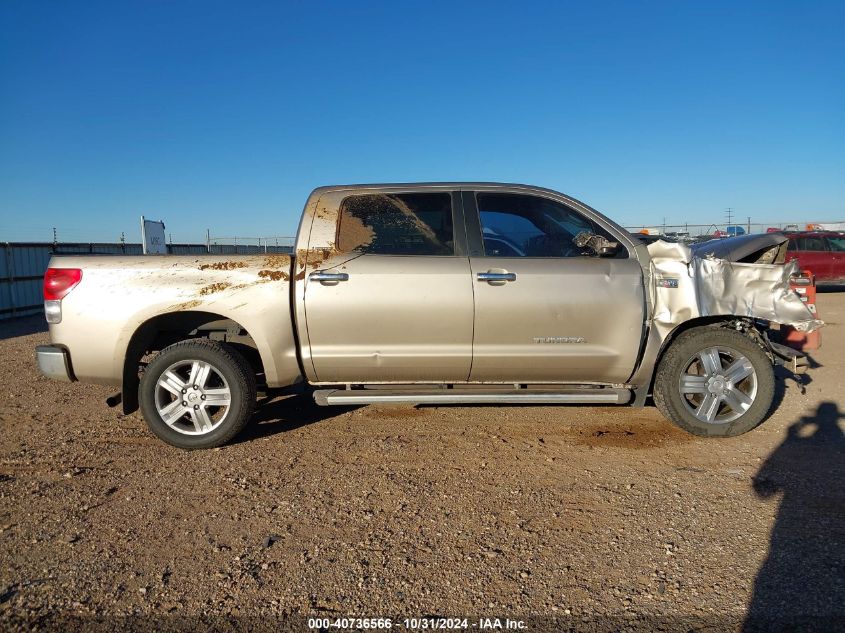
587,518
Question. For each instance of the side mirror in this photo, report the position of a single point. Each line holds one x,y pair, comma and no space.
599,245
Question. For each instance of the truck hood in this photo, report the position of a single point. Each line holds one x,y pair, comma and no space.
743,276
763,248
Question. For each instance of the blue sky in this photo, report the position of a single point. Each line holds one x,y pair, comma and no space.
224,115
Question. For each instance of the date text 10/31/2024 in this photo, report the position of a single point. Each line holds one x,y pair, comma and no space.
416,624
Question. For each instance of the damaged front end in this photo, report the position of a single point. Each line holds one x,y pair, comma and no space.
743,279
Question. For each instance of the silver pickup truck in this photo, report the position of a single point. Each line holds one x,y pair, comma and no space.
436,293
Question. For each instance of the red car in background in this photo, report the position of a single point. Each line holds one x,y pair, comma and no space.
820,252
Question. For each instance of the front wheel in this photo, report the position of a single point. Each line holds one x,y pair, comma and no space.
197,394
715,382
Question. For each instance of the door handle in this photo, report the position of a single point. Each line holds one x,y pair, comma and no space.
322,275
490,277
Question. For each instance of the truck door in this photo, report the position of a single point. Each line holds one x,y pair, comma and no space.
388,295
544,310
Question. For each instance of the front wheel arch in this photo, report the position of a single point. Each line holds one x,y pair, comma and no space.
721,321
677,402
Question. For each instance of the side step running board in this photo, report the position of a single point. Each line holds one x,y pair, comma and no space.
327,397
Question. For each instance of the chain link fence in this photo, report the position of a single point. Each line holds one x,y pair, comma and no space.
697,230
250,245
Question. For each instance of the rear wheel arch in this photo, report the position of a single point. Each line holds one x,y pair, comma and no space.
197,393
163,330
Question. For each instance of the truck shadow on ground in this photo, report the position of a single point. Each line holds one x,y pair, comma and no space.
280,415
783,377
22,326
831,288
801,585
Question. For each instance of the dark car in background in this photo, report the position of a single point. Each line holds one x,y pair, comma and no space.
820,252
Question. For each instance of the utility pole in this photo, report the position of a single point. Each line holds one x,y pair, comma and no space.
208,240
122,242
749,224
730,213
55,239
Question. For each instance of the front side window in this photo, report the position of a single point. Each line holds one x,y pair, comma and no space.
516,225
396,224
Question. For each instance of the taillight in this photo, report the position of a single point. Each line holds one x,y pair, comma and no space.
57,283
60,281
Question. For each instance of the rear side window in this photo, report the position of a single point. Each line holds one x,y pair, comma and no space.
397,224
837,243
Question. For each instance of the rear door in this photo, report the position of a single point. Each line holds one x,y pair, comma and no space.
836,243
544,310
389,296
812,254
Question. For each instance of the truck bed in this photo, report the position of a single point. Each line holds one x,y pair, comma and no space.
119,294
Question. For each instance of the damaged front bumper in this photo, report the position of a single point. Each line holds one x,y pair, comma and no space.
793,360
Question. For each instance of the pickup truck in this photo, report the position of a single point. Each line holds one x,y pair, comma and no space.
435,293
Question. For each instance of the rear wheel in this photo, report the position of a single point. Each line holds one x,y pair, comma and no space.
197,394
715,382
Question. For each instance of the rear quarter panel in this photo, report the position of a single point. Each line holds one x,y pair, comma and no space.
118,294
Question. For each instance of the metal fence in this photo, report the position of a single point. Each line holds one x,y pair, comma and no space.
244,245
710,229
22,265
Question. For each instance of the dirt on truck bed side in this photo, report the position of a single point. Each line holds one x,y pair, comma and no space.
589,518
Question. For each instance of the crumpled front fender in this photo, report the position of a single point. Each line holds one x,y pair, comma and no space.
684,286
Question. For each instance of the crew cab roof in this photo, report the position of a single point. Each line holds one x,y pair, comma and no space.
436,185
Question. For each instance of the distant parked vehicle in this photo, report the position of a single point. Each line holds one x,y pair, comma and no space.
646,238
820,252
773,229
826,226
734,229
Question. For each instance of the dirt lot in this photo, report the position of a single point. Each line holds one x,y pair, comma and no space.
583,518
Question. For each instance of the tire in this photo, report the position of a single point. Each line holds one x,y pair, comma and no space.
205,417
710,401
